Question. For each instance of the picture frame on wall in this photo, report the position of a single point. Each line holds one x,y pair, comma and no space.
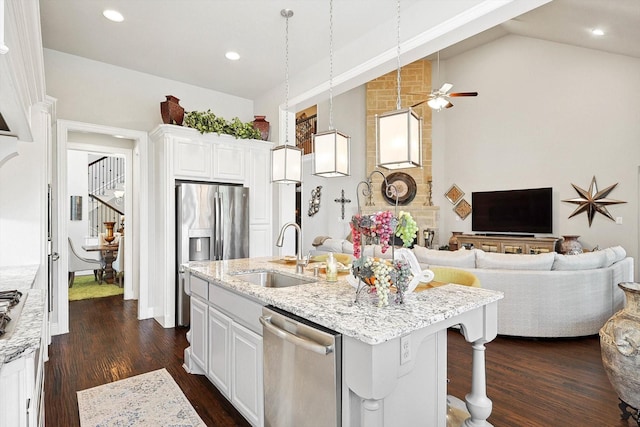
462,209
454,194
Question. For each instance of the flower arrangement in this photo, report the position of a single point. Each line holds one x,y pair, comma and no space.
381,275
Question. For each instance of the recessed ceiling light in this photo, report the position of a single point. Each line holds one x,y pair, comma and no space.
233,56
597,32
113,15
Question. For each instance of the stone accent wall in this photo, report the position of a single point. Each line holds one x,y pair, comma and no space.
381,96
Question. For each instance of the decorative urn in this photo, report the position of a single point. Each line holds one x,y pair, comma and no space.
263,126
620,348
171,111
570,245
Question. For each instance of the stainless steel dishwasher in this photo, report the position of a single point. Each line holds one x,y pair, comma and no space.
302,371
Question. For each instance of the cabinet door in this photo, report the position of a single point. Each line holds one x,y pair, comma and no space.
17,383
228,162
260,186
260,241
198,332
246,372
192,159
219,371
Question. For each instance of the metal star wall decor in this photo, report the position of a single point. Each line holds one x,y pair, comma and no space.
592,201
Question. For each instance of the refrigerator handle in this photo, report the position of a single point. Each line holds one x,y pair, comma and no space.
217,227
221,224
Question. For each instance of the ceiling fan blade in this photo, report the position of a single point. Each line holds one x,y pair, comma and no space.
446,87
419,103
449,105
464,94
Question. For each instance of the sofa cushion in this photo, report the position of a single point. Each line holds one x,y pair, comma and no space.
514,261
613,255
462,258
584,261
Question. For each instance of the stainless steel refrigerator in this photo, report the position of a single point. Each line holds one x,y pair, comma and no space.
212,223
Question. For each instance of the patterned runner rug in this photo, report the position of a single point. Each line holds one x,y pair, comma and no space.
152,399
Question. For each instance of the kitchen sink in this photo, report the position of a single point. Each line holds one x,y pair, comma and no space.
272,279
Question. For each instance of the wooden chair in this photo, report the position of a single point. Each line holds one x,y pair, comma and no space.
79,263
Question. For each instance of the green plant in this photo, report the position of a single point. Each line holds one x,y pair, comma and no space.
208,122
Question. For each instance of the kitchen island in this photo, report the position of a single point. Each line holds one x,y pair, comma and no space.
393,358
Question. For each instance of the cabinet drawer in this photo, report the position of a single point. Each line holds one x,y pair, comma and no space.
239,308
199,286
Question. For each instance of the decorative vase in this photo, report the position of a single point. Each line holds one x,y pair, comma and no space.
109,236
620,348
570,245
171,111
263,126
453,240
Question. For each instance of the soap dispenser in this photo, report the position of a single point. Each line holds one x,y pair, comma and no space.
332,268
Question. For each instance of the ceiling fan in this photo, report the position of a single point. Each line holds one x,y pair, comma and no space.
439,99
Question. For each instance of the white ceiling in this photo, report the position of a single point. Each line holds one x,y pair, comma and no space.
185,40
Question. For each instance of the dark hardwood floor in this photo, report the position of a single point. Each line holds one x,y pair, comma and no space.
107,343
545,383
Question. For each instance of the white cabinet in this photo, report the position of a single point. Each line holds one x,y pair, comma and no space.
228,161
21,383
192,158
182,153
246,373
219,371
198,331
226,346
260,195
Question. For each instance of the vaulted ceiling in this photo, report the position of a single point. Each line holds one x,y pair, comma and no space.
186,40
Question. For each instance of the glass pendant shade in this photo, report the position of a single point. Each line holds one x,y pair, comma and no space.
286,164
438,103
399,139
331,154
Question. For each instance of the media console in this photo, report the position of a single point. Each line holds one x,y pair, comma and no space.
509,244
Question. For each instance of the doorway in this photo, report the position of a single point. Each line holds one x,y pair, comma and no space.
133,146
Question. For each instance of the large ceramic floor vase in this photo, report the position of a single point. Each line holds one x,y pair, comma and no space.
620,346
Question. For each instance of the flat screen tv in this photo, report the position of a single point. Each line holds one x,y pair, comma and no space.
512,211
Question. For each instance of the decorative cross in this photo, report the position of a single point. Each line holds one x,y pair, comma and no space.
342,200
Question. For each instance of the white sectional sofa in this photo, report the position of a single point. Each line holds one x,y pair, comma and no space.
545,295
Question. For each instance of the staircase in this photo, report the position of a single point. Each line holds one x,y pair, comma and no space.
106,192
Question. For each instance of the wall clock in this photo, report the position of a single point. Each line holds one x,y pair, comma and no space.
404,185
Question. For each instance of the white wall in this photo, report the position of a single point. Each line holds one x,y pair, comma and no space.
94,92
77,185
21,238
547,114
349,116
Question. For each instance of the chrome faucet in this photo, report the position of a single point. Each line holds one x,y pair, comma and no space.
300,263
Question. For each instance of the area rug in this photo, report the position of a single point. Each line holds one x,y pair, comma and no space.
85,287
147,400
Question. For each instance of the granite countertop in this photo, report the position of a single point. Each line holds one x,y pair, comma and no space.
27,329
332,304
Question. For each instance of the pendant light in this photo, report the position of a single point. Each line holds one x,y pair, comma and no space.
286,160
399,132
331,148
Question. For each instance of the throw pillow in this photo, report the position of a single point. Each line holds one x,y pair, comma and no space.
461,258
515,261
584,261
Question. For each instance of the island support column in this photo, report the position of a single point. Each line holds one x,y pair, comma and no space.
479,333
478,404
